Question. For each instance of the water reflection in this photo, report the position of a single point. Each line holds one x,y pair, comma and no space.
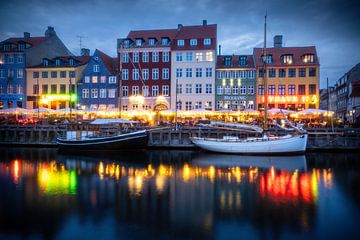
179,193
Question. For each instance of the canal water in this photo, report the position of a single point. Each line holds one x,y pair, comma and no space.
177,195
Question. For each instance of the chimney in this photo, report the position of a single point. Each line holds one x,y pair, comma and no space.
219,50
179,26
278,41
26,34
204,22
50,32
85,52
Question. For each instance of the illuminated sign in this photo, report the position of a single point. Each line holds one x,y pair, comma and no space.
234,98
45,99
312,99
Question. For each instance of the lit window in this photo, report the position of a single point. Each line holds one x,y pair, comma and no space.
209,56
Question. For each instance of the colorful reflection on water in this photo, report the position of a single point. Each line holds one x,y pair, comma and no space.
201,193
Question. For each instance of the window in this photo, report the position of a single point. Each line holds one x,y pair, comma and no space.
62,88
138,42
164,41
199,56
312,88
235,90
102,93
282,73
10,89
7,47
165,73
242,74
145,57
179,88
135,74
198,72
291,89
44,89
135,57
180,42
251,90
155,91
251,105
198,88
227,74
2,73
35,89
227,61
72,74
35,74
219,74
220,90
125,91
85,93
188,88
155,56
281,90
165,56
189,72
21,47
261,89
227,90
145,91
312,72
87,79
219,104
111,93
96,68
208,72
243,60
63,74
125,74
179,72
125,57
308,58
302,72
94,93
57,62
94,79
145,74
11,73
135,90
242,90
179,105
301,90
261,73
53,89
207,41
209,56
188,56
20,73
272,73
20,58
165,90
292,72
112,79
269,59
272,90
151,41
44,74
11,58
235,74
155,73
198,105
287,59
208,88
53,74
188,106
178,57
193,42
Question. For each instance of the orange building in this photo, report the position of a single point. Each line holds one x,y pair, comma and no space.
292,77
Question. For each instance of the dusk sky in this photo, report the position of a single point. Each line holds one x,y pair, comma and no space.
331,25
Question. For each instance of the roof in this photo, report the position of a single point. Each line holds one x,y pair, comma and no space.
276,53
80,60
200,31
30,40
235,61
158,34
109,62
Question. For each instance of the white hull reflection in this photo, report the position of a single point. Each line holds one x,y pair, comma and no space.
287,163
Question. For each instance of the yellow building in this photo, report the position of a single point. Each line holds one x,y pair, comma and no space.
52,84
292,77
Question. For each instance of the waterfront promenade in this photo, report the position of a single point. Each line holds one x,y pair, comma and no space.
168,138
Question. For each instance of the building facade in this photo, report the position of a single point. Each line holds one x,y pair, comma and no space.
193,63
145,58
235,82
292,77
52,84
18,53
98,87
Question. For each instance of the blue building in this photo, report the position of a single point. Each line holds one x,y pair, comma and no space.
98,87
18,53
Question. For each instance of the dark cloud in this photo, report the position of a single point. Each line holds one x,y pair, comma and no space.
331,25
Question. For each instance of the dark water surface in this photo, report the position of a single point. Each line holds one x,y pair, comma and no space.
177,194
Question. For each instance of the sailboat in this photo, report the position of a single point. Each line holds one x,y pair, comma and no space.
293,143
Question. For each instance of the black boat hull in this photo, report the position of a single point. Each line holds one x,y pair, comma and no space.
135,140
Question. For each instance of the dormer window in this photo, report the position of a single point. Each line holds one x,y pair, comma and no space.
46,62
243,60
96,68
207,41
151,41
126,43
57,62
138,42
71,62
287,59
308,58
164,41
269,59
180,42
21,47
193,42
227,61
7,47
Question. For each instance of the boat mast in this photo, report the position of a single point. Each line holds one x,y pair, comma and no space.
265,78
120,76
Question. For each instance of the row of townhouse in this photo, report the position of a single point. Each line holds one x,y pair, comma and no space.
156,70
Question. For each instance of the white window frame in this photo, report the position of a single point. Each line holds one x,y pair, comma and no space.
180,42
155,74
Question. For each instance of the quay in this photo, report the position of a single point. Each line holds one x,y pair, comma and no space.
168,138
